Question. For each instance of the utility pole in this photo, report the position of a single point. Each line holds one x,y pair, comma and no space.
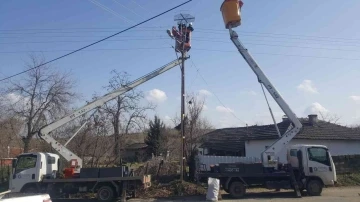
182,37
183,170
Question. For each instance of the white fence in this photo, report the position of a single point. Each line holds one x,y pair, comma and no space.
204,162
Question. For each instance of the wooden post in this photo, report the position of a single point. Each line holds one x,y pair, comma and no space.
123,194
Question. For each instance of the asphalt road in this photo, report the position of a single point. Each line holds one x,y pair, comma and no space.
342,194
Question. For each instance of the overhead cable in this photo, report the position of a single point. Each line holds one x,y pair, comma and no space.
72,52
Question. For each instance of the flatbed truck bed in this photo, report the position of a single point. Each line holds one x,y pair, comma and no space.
106,188
236,179
143,179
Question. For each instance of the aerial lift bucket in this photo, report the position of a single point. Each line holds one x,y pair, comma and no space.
231,13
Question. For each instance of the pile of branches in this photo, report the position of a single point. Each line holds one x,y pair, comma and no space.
159,170
172,189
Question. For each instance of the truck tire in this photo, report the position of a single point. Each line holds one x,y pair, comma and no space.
314,187
30,190
105,193
237,189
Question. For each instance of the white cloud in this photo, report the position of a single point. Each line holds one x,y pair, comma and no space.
252,92
156,95
13,98
315,108
355,98
204,92
228,122
205,107
168,121
249,92
307,86
222,109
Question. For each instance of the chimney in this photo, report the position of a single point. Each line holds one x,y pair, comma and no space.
285,119
313,119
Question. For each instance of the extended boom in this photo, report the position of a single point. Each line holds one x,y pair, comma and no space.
268,156
76,161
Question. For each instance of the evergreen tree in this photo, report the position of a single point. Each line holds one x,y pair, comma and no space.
155,137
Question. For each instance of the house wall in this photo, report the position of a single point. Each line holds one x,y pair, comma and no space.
254,148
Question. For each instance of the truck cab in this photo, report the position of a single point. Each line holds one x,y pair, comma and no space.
314,162
30,168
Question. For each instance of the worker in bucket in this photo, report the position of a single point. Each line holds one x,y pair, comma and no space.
182,36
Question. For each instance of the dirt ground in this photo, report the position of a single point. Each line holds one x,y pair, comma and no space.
338,194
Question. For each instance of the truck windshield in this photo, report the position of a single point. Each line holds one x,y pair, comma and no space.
25,162
319,154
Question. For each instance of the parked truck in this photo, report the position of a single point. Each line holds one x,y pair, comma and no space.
40,172
308,167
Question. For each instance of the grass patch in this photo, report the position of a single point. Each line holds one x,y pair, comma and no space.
349,179
4,186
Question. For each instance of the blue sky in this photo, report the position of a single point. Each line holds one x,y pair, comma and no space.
308,49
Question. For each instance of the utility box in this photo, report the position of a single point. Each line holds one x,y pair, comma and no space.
89,173
231,13
243,168
111,172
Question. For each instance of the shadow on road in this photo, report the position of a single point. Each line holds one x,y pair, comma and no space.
225,197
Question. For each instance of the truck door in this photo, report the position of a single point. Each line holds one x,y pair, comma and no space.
26,171
318,163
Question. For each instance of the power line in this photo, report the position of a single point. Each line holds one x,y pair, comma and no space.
280,54
217,31
201,76
100,5
78,28
140,6
126,7
348,43
105,49
204,40
201,39
243,33
210,50
72,52
80,41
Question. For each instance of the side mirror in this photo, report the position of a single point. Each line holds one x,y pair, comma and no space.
14,162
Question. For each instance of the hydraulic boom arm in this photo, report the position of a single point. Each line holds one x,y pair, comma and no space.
66,153
268,156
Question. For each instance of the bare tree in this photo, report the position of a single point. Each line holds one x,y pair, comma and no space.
331,118
125,113
196,127
40,96
9,128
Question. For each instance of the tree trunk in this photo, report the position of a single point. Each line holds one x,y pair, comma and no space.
117,148
26,141
192,165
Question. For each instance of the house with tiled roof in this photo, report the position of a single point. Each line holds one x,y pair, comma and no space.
252,140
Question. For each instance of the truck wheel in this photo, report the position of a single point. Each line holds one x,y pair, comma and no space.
237,189
30,190
105,193
314,188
